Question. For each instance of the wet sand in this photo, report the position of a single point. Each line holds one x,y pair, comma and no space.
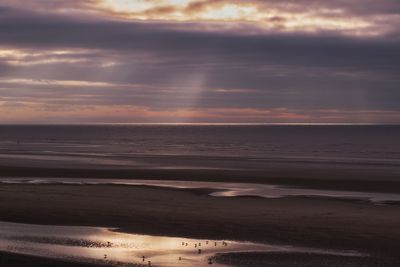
94,244
318,222
301,260
222,189
331,177
13,260
315,222
233,259
343,159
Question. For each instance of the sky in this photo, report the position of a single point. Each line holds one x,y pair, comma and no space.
199,61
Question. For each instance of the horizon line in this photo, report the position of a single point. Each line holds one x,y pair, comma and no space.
195,123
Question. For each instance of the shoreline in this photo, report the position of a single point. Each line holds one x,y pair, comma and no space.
315,222
318,223
222,189
344,180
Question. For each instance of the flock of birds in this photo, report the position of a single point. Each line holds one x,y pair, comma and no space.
185,244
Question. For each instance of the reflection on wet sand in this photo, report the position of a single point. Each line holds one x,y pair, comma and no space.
102,245
222,189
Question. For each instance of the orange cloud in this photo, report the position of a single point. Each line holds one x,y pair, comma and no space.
262,15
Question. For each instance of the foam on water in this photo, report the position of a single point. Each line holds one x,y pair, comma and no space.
222,189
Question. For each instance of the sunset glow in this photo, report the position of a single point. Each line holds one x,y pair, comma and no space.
263,16
183,61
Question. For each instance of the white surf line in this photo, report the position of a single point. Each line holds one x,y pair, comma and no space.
223,189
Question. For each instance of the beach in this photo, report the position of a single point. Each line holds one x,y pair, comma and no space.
75,181
194,133
303,221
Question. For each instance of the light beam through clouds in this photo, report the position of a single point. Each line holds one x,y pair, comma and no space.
199,61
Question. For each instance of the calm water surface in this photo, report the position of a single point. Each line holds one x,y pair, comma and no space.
102,245
200,146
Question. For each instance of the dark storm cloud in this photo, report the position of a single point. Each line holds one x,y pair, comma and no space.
299,71
5,69
349,6
29,30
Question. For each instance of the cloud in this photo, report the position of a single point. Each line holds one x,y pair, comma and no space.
355,17
167,42
75,59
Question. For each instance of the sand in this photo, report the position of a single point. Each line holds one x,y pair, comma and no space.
17,260
316,222
301,221
300,260
330,177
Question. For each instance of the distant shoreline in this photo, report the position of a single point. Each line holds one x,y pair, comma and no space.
202,124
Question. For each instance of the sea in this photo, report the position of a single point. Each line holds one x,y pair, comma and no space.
227,146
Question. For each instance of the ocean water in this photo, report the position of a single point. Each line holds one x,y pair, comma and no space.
200,146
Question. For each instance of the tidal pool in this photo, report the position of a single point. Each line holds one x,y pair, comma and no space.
103,245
